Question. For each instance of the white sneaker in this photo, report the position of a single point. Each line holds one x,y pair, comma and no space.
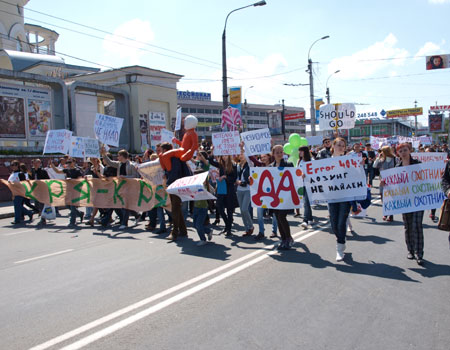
340,248
200,243
210,235
304,225
122,227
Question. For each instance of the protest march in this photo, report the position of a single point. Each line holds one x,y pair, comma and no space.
238,169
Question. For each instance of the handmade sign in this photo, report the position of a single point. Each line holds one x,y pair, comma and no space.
339,116
107,129
91,148
157,122
133,194
412,188
337,179
426,157
76,148
378,142
276,188
152,172
226,143
213,173
257,142
166,136
191,188
58,141
314,140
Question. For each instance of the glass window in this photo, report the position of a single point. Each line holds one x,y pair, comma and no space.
192,110
250,113
200,110
216,111
184,110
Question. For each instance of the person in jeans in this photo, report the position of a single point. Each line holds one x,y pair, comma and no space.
369,163
339,211
304,156
243,193
385,160
225,201
125,169
19,210
71,172
281,214
200,216
266,160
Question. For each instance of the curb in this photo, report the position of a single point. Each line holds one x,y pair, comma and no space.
6,215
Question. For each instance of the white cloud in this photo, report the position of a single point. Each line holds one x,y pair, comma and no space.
427,50
364,63
127,51
439,1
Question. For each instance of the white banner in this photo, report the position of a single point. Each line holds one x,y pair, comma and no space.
157,122
76,148
166,136
412,188
276,189
344,112
257,142
178,120
226,143
426,157
191,188
91,147
152,172
314,140
337,179
107,129
58,141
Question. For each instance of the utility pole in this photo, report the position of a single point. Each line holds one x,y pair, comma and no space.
415,120
328,95
283,122
311,97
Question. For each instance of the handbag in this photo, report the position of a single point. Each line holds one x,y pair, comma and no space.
48,212
444,218
221,187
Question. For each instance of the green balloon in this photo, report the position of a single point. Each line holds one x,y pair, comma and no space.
287,148
303,141
294,140
293,159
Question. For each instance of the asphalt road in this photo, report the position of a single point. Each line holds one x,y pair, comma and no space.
93,289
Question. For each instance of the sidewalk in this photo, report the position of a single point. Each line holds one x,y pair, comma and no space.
6,210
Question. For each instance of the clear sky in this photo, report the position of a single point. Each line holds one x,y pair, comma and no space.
378,46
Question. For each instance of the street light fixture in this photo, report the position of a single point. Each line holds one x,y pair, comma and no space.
328,90
311,87
224,54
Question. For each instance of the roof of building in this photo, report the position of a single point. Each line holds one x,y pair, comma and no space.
18,60
139,70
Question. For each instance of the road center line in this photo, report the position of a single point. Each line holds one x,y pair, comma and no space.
142,314
160,295
44,256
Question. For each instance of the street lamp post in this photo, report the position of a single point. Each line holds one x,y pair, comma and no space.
224,53
328,90
311,88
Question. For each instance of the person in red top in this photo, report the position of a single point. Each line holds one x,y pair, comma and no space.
188,145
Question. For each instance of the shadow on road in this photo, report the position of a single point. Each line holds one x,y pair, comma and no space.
302,257
353,236
431,270
373,269
212,250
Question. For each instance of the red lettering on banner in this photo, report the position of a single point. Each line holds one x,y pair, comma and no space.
275,194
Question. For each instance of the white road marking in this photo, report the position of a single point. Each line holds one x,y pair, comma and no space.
299,236
44,256
151,310
16,233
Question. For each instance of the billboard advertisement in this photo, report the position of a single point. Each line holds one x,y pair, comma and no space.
275,123
404,113
438,62
436,122
25,111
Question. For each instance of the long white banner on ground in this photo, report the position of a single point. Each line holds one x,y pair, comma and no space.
338,179
412,188
276,188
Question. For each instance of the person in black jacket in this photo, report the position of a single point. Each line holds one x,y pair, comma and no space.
225,198
445,182
243,194
19,210
281,214
38,173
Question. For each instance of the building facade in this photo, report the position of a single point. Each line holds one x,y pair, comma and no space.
366,127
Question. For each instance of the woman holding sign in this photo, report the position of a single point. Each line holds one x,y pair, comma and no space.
385,160
339,211
411,221
243,193
281,214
